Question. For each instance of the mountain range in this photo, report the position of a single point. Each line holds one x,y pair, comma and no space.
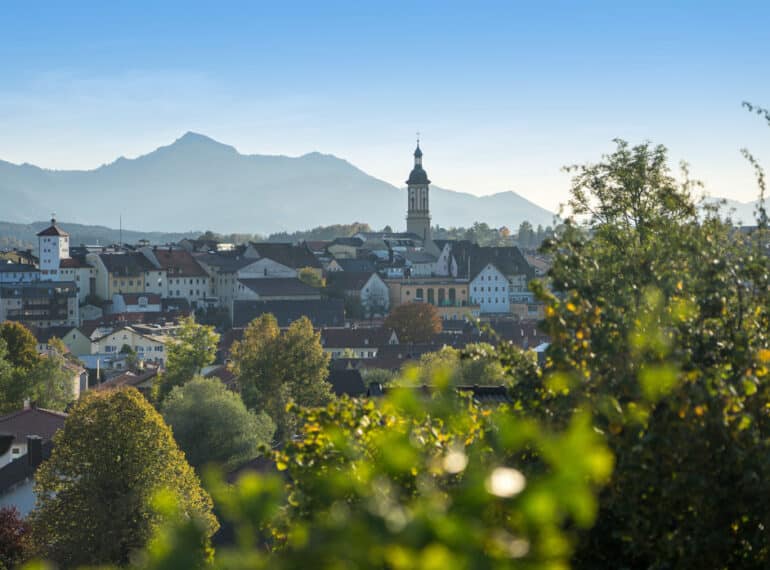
199,183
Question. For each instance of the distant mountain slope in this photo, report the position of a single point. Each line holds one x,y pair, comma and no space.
197,182
742,213
25,235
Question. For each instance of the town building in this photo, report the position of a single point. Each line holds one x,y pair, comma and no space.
40,304
418,211
449,296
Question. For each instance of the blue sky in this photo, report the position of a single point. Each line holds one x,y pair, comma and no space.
504,93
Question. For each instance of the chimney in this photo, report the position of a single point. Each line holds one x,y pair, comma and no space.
34,450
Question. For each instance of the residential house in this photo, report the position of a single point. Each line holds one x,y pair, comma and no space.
149,346
490,290
17,478
366,287
347,383
29,421
16,273
134,303
356,343
40,303
185,277
78,271
296,257
125,272
357,265
275,289
223,269
345,247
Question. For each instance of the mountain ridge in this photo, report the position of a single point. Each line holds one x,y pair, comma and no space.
196,181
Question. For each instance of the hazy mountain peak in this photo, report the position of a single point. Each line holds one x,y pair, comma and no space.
191,137
197,181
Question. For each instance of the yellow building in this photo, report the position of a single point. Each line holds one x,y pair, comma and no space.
125,272
449,296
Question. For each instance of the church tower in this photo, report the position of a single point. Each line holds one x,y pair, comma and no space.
418,212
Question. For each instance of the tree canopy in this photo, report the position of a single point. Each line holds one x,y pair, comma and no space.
275,368
212,425
21,344
414,322
95,493
193,348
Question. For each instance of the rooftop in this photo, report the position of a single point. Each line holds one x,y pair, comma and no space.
280,287
290,255
129,264
32,421
321,312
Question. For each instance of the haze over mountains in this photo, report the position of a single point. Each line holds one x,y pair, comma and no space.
198,183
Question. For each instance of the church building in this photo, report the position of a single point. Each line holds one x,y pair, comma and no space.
418,211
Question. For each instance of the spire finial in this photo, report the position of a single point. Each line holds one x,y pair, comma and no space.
53,217
418,138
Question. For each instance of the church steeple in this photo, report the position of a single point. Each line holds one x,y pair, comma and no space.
418,211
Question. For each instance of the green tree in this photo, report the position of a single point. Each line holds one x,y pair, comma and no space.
660,327
410,482
193,348
212,425
20,343
310,277
51,382
526,235
275,368
414,322
48,380
95,492
11,391
477,363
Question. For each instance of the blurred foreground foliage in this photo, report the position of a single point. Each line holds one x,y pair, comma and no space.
411,481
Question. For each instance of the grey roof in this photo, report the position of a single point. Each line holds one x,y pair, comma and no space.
17,268
321,312
32,421
347,382
468,255
348,280
226,261
290,255
355,338
419,256
37,289
349,241
130,264
280,287
360,265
